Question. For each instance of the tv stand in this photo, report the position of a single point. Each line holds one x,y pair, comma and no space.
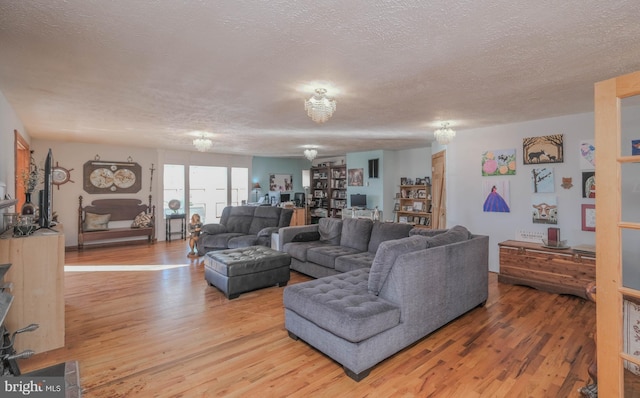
356,212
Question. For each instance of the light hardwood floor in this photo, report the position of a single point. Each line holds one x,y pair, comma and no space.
166,333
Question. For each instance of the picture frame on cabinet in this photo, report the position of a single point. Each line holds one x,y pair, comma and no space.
402,219
427,180
403,181
422,193
417,206
419,181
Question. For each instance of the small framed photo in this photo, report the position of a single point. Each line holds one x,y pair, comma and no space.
427,180
423,221
409,218
588,217
417,206
403,181
419,181
402,219
422,194
409,208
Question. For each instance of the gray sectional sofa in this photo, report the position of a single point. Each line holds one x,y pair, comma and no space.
414,286
334,246
243,226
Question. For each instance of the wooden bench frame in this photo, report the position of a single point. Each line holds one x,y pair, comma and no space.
120,210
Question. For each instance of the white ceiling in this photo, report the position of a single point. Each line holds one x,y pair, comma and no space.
149,72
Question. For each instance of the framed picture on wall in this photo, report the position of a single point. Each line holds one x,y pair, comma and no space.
588,217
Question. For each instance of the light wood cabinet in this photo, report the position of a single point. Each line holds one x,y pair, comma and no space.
557,271
37,275
299,216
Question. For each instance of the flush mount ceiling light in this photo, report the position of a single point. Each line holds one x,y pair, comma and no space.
310,154
444,134
319,107
202,143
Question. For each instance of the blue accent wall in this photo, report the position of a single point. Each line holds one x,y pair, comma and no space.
262,167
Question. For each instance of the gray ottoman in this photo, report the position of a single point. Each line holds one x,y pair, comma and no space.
241,270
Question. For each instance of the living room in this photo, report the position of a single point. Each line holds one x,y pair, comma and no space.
551,99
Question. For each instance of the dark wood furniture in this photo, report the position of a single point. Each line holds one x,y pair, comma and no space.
183,226
562,271
120,210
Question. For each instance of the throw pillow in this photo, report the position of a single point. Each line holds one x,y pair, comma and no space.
142,220
96,222
306,236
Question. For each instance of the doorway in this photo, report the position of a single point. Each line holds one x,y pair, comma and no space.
439,190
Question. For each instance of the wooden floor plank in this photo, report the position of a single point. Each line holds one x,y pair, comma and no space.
166,333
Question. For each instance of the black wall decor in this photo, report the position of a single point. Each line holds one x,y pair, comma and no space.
373,168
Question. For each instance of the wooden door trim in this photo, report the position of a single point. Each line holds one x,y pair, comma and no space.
22,151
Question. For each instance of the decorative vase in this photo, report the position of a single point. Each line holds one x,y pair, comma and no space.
28,208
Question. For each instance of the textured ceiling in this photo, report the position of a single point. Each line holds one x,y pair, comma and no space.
150,72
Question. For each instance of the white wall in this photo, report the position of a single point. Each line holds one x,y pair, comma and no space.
464,181
75,155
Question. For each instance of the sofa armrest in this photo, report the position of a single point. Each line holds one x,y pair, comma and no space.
266,232
286,234
213,229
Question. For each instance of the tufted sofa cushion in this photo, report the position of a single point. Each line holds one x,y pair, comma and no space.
326,255
342,305
354,261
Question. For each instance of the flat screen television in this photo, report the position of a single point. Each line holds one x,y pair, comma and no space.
46,194
285,197
359,200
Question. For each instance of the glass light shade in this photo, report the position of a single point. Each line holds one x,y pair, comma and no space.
319,107
444,134
310,154
202,144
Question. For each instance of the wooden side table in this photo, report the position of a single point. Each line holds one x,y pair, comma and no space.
183,225
562,271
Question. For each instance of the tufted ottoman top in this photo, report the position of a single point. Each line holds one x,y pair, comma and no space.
246,260
342,305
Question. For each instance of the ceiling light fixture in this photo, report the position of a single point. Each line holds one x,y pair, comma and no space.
202,144
319,107
444,134
310,154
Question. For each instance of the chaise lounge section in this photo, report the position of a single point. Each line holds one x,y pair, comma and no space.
414,286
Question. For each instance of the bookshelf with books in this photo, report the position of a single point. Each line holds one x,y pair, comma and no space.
319,204
413,202
338,190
